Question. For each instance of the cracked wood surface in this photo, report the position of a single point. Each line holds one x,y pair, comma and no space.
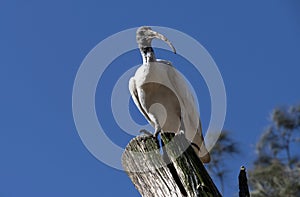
184,175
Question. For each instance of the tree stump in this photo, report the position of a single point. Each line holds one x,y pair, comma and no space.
174,170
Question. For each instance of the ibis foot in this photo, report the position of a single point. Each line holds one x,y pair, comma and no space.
144,131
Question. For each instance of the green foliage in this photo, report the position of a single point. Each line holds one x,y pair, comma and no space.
276,180
277,169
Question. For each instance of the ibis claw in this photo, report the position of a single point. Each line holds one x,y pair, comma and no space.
144,131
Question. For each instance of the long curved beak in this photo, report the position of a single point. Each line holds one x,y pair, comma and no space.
159,36
145,35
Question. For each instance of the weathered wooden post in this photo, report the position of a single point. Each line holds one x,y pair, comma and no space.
243,183
176,172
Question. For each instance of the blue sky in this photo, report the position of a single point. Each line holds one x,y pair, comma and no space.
255,44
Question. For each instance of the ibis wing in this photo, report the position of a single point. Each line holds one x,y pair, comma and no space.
135,97
189,113
189,110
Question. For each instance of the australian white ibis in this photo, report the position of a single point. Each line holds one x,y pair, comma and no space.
163,96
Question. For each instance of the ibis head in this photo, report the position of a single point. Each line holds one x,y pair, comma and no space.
144,37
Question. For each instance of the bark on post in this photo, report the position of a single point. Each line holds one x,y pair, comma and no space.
176,172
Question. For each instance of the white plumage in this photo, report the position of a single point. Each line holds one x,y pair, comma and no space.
163,97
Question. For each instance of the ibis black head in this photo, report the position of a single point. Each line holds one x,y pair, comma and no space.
144,37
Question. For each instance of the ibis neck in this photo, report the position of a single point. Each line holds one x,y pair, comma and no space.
147,54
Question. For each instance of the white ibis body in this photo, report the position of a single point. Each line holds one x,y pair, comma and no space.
163,96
